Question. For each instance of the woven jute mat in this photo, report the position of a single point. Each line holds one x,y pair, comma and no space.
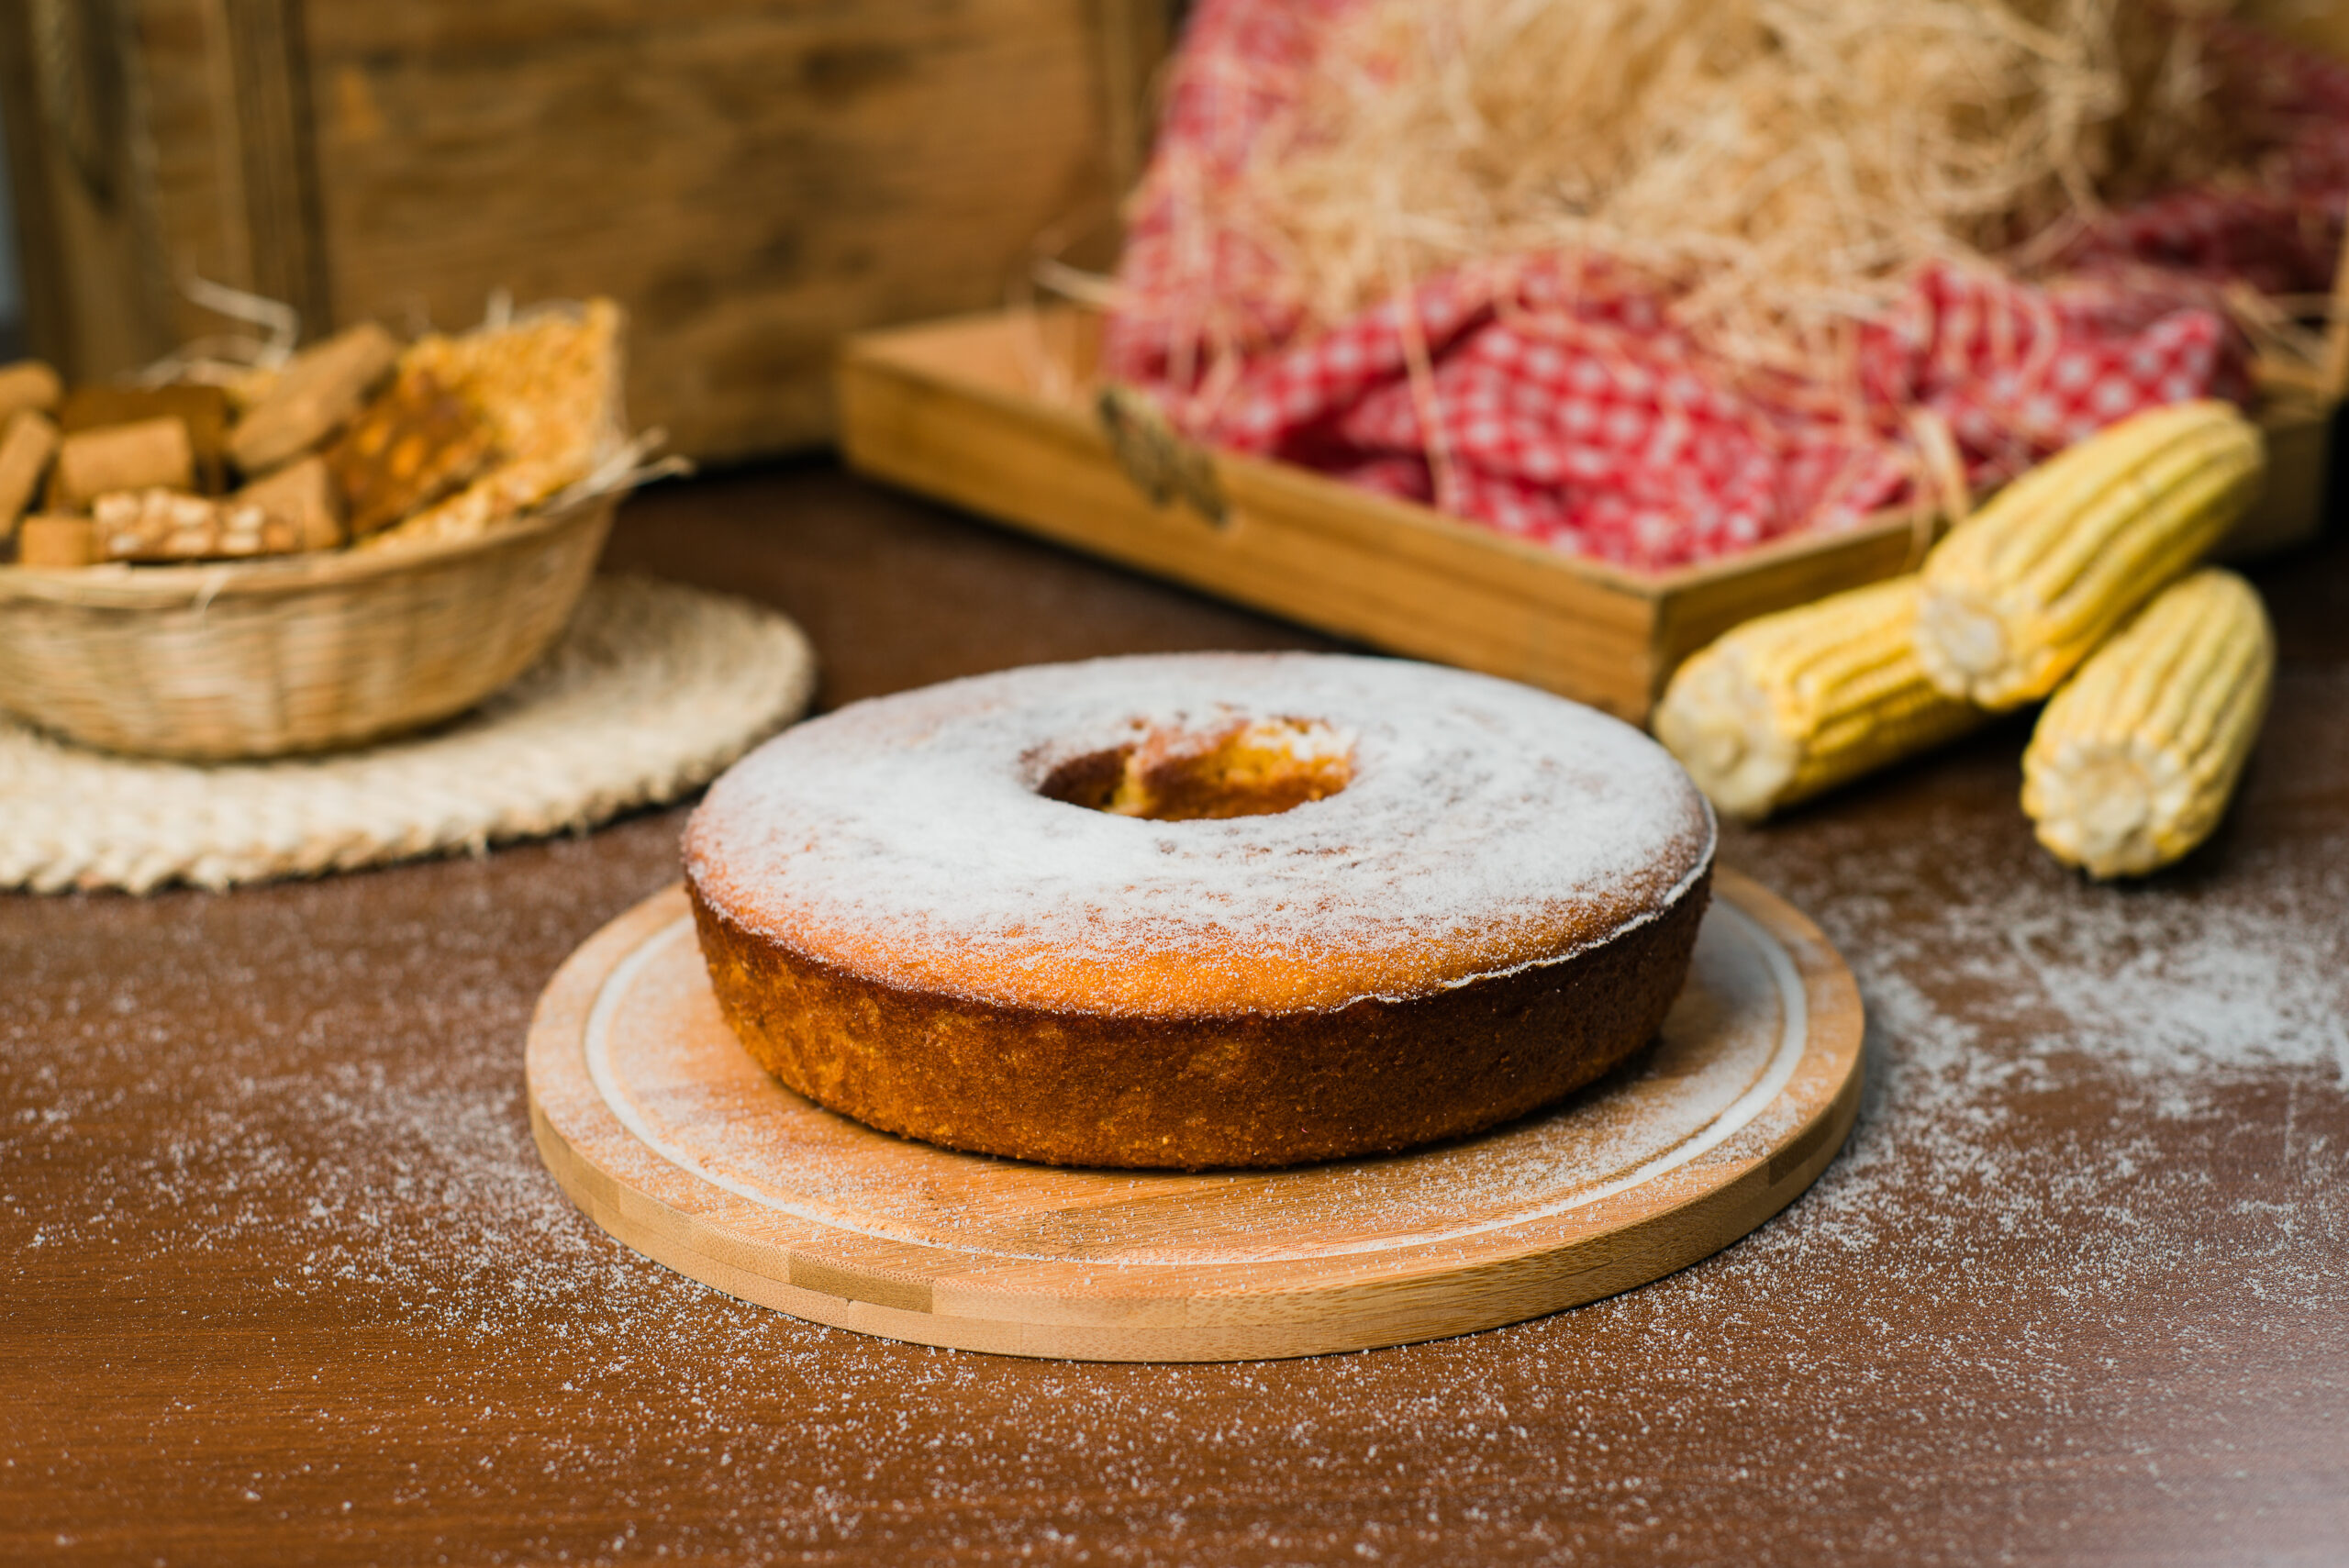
652,690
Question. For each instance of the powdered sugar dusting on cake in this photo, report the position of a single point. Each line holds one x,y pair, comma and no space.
906,838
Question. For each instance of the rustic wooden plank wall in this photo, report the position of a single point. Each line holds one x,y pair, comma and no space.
750,178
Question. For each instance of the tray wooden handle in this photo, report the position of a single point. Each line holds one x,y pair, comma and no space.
1163,465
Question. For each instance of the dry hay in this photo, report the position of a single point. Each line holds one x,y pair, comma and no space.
1778,167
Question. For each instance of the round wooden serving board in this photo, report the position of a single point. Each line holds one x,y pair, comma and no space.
662,1128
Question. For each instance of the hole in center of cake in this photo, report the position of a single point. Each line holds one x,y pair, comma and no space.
1247,768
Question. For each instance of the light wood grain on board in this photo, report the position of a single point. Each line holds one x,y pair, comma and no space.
685,1150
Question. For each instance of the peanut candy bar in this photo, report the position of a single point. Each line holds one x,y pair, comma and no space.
304,495
28,385
169,525
414,444
548,387
143,455
203,410
48,539
316,394
27,440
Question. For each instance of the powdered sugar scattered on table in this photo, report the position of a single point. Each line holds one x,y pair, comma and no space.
317,1178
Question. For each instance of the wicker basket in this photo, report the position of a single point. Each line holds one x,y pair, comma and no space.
264,659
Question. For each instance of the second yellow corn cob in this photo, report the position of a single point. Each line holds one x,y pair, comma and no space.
1789,704
2131,763
2021,592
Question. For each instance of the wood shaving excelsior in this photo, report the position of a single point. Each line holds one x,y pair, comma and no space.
1779,166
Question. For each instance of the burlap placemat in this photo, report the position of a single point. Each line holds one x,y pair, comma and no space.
652,690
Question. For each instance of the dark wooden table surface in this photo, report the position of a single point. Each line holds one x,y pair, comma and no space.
286,1283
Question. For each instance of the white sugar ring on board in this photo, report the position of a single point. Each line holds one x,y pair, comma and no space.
1199,910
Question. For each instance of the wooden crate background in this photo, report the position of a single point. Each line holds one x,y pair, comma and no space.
751,179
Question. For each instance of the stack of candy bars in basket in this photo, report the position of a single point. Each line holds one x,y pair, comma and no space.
354,442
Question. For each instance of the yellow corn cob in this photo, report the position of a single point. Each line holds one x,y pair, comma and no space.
1794,703
2022,591
2132,762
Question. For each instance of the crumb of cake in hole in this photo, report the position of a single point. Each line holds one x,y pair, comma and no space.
1244,768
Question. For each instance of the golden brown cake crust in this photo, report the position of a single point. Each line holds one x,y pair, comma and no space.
1192,1093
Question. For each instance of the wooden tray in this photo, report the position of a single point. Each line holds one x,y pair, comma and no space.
990,413
661,1127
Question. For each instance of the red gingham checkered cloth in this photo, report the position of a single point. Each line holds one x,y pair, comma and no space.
1554,400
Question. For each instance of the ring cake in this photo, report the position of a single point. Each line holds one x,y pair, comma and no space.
1199,910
